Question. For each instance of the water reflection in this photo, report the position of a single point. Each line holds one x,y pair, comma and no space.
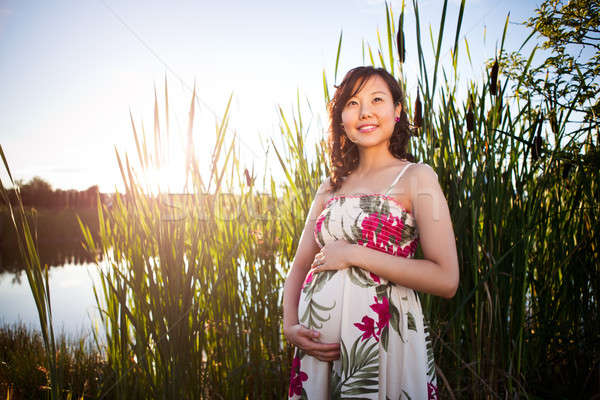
59,238
72,272
55,254
71,291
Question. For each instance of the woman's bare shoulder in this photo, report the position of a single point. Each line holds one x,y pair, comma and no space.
324,192
422,179
424,170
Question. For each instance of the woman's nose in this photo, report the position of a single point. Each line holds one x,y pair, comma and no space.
365,111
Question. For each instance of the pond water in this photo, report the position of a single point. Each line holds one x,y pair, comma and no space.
71,294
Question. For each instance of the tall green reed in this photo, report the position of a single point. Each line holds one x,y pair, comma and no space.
37,276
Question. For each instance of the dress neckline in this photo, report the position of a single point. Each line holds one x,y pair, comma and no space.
383,195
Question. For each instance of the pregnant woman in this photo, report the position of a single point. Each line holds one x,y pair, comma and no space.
350,304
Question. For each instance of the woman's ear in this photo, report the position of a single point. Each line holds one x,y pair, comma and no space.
398,110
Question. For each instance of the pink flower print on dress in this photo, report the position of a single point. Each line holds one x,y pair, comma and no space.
432,391
308,279
396,226
319,223
388,225
369,225
408,249
391,225
296,378
383,313
368,327
375,277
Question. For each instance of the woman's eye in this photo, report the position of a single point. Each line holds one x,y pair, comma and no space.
376,99
351,103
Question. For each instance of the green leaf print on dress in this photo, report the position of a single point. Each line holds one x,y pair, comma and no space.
314,311
312,315
370,205
348,238
412,325
359,277
359,370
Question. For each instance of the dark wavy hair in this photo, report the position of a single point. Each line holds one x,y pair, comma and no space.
343,153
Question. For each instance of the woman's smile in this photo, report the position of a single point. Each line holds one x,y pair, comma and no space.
366,128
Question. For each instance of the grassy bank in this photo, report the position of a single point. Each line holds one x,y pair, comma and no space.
23,366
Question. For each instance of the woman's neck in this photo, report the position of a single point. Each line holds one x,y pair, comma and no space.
373,159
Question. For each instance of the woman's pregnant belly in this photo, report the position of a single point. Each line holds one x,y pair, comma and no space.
331,300
322,303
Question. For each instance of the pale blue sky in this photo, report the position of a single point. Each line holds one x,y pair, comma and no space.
70,71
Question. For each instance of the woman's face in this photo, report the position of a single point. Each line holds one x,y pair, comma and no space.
368,118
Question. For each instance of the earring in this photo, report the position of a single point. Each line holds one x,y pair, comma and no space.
397,119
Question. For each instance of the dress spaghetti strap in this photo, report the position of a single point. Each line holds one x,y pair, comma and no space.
398,177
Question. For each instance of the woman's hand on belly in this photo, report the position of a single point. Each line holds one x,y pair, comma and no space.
303,338
333,256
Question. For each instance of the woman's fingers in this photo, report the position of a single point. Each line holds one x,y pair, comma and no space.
325,347
326,355
326,358
319,259
316,262
306,340
321,351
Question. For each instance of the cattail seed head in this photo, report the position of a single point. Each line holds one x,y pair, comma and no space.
418,117
249,180
494,79
540,123
536,148
470,118
400,44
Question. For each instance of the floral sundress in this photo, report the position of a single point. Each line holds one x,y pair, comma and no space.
385,349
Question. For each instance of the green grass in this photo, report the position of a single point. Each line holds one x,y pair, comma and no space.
23,363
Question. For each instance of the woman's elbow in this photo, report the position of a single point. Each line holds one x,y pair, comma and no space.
450,292
451,285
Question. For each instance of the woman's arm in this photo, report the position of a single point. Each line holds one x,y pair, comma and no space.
438,273
307,248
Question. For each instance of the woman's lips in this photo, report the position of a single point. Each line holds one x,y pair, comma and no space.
367,128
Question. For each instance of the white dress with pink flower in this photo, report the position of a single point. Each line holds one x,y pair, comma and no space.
385,350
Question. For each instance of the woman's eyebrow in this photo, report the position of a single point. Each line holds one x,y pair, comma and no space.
377,91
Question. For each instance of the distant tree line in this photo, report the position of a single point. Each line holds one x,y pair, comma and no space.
39,193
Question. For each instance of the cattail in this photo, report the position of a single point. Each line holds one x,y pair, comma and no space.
418,118
249,180
494,79
540,123
470,117
536,148
400,43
